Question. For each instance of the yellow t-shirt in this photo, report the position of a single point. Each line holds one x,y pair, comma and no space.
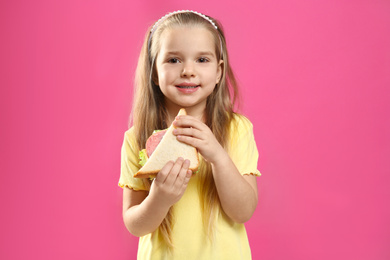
188,235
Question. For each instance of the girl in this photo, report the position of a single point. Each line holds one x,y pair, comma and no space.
180,214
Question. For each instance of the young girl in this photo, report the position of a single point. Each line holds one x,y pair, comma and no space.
181,214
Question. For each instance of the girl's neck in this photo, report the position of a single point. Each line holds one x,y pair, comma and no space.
196,112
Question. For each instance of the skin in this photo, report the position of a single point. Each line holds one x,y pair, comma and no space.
144,211
188,55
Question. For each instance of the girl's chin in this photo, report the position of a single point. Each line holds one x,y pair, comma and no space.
188,104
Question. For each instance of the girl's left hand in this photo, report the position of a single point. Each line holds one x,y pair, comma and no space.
192,131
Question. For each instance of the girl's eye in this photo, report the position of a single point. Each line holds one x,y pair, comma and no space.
203,60
173,60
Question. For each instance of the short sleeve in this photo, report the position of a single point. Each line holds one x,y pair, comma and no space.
130,164
243,150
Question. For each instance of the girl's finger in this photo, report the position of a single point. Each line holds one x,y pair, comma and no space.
182,174
188,132
187,178
175,170
188,121
195,142
163,174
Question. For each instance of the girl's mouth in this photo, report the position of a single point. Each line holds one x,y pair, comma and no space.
187,88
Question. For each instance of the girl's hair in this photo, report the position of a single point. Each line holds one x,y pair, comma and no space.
149,112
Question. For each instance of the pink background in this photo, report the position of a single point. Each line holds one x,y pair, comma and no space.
315,78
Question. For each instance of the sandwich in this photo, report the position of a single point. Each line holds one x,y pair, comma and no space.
162,147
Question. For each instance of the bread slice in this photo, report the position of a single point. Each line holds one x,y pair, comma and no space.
169,149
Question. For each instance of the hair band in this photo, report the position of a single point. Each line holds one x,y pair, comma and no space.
182,11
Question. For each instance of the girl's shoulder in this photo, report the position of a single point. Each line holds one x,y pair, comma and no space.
240,132
130,138
241,122
129,133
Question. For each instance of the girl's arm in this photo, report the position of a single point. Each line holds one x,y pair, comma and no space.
237,193
144,211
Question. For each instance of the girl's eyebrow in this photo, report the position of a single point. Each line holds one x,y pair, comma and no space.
172,53
202,53
207,53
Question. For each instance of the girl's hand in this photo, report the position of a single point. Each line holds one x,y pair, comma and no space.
171,182
192,131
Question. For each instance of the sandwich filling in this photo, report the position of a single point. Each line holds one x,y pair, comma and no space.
151,145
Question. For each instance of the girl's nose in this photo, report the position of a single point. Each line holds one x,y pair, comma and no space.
188,70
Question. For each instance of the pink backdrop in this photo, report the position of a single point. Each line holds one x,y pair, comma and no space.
315,78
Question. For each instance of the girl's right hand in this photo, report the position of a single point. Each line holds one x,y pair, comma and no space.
171,182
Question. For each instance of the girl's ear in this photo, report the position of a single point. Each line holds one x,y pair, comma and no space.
219,71
155,77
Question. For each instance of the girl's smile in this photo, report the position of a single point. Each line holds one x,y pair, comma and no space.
187,87
187,67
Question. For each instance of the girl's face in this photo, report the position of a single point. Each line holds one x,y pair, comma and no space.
187,68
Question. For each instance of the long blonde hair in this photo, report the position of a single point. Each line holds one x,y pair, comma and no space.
149,112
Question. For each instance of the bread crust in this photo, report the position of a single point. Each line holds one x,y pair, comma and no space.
153,174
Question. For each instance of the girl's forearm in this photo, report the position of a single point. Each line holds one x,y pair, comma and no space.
144,218
237,196
144,212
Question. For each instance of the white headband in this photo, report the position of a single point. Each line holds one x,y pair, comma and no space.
181,11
